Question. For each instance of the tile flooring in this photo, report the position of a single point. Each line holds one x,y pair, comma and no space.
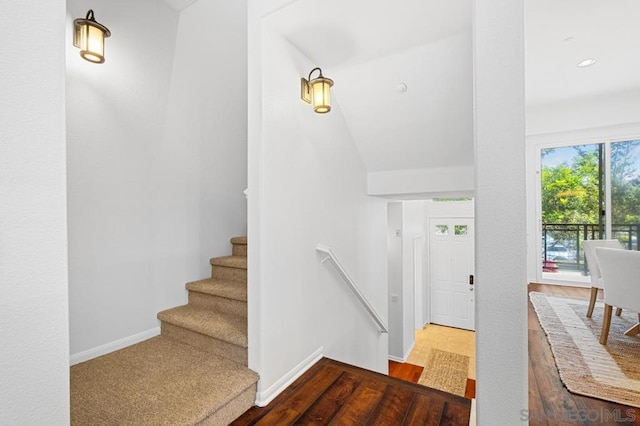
449,339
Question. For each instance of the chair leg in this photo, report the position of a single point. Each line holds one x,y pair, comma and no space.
618,312
592,301
606,324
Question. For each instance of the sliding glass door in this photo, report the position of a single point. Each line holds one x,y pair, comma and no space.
587,191
625,192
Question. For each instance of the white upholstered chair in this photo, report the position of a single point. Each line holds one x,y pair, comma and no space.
589,247
620,271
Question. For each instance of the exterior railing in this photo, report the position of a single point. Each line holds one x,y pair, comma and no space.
562,243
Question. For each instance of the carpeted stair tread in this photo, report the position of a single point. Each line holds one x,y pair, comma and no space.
239,240
155,382
230,328
238,262
221,288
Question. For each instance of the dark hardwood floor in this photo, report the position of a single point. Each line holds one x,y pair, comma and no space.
405,371
550,403
335,393
339,394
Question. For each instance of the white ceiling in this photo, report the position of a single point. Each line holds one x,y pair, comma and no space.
605,30
179,4
369,47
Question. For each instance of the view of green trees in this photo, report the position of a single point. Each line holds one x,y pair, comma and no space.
570,190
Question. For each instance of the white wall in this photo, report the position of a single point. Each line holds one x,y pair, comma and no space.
395,273
406,222
34,388
310,189
413,227
611,109
422,183
157,160
501,304
203,160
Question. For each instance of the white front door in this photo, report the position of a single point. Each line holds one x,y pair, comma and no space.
451,265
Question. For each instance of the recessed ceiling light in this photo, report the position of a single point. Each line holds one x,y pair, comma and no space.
568,39
586,62
401,88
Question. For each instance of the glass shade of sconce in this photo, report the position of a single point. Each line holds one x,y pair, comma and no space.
88,36
317,92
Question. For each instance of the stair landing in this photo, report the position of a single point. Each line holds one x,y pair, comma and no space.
335,393
160,381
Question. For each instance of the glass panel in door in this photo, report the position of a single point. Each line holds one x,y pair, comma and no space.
572,192
625,192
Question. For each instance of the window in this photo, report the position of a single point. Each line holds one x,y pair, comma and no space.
589,191
460,230
442,230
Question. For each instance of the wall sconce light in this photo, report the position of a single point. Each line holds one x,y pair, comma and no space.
89,36
317,90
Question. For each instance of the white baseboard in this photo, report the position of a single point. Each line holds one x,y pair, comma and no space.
263,398
113,346
472,417
406,355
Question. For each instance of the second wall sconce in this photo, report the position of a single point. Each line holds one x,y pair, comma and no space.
317,91
89,35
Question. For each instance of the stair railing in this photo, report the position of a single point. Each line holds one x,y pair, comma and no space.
382,327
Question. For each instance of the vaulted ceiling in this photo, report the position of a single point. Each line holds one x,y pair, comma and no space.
403,70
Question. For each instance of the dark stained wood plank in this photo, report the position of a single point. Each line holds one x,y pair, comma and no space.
454,414
393,407
331,401
470,389
405,371
357,397
424,410
535,411
283,416
298,402
255,413
359,407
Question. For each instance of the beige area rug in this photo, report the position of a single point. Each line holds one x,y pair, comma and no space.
586,367
445,371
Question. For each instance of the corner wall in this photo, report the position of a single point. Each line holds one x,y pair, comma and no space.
34,388
310,189
157,162
499,140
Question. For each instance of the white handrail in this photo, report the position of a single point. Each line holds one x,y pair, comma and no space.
382,327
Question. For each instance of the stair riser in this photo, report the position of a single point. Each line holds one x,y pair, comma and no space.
234,409
219,304
228,273
239,250
206,343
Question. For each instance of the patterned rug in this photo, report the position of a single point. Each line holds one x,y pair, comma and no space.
445,371
586,367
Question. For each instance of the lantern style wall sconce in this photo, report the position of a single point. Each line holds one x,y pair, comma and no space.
89,35
317,90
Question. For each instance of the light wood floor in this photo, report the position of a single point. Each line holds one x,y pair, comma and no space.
550,403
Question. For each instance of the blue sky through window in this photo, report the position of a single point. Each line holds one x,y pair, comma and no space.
555,156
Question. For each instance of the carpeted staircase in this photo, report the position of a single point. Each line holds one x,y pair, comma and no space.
194,373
